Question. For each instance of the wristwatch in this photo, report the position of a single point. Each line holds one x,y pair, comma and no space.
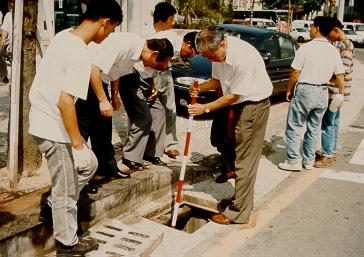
207,110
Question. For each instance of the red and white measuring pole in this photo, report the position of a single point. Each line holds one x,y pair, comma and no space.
184,163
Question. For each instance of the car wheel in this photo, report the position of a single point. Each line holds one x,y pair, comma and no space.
300,40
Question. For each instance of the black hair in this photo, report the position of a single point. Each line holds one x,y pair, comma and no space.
336,23
324,23
162,11
190,36
163,46
97,9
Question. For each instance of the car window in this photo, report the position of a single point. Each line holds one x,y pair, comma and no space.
270,47
287,50
350,27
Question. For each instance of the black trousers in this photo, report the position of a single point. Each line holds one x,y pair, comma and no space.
98,128
223,138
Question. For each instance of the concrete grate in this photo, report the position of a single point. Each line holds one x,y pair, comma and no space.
117,239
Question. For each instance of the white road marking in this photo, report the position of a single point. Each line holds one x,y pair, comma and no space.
358,157
343,175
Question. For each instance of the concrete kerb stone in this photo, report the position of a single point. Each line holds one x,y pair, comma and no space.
20,229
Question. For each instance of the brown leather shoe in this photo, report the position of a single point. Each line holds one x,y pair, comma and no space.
324,162
221,219
172,153
225,177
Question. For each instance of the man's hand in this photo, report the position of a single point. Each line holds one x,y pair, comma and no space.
196,109
194,91
115,101
105,108
82,158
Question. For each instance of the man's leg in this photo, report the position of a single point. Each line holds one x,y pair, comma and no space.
156,140
164,82
66,186
139,115
249,134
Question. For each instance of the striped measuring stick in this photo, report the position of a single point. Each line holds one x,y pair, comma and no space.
184,163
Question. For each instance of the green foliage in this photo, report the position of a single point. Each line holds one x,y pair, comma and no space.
202,13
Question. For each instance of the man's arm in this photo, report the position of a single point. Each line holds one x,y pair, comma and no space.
340,83
115,101
4,35
68,113
211,84
198,109
96,83
293,78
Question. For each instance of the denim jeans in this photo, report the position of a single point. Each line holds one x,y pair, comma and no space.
66,186
330,132
307,105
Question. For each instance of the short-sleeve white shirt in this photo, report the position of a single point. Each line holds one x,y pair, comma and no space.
66,66
8,26
117,54
243,72
317,61
176,41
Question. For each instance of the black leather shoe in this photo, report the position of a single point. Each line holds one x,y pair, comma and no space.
116,173
132,165
89,188
155,160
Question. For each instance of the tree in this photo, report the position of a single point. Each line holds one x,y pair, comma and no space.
29,158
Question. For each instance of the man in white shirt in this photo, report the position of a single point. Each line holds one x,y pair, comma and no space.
239,70
63,76
314,65
6,40
112,59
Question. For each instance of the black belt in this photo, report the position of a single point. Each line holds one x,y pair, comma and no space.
315,85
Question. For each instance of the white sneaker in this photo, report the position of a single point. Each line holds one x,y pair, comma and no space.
290,166
308,166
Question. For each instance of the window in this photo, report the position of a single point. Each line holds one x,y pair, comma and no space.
287,50
270,47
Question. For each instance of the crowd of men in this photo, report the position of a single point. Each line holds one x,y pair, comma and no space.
70,93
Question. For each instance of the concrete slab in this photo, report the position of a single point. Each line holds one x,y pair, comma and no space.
208,194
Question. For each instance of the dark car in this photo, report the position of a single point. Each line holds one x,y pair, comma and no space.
277,50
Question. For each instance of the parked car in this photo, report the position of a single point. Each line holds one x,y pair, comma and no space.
261,23
357,27
354,37
300,34
301,24
277,50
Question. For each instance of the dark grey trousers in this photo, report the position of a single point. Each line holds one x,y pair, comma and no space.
147,120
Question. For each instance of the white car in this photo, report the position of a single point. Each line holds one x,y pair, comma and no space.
262,23
300,34
354,37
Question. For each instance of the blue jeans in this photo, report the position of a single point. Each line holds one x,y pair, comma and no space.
66,186
308,104
330,132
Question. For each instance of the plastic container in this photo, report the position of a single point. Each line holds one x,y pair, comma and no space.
336,101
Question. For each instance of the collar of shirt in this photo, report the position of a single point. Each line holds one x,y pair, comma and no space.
321,39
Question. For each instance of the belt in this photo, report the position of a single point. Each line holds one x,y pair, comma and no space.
315,85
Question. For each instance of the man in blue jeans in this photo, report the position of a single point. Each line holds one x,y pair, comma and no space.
314,65
331,120
63,76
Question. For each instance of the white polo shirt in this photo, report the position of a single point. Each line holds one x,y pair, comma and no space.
243,72
66,66
317,60
117,54
176,41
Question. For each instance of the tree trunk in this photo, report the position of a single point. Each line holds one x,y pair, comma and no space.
29,156
332,8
